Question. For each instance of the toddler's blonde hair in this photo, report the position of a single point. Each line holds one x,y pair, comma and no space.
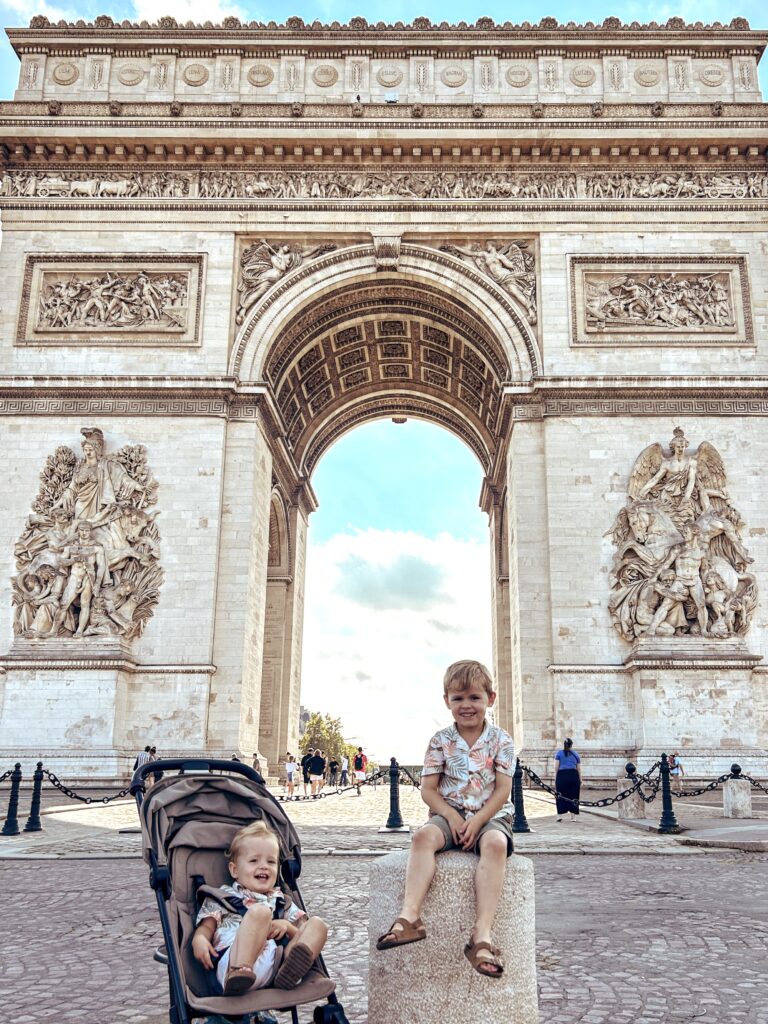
257,829
461,675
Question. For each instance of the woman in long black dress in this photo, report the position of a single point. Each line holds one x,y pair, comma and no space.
568,780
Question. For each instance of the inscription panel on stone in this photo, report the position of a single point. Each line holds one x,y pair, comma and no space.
660,300
99,299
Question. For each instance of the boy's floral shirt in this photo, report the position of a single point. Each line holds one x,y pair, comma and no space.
228,922
468,776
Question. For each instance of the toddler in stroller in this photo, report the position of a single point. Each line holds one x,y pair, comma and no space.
239,925
190,825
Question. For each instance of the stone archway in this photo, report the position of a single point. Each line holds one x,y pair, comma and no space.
336,344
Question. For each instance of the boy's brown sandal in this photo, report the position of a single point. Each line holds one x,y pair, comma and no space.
238,980
409,931
298,960
481,963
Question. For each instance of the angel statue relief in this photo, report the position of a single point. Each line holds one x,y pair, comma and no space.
262,266
88,559
511,266
680,567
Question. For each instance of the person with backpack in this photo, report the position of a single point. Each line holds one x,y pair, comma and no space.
359,763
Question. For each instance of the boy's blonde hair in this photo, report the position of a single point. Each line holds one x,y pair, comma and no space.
461,675
259,830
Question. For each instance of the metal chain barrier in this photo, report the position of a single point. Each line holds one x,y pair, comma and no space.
755,783
371,780
58,784
706,789
6,775
605,801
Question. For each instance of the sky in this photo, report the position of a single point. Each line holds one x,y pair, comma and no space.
398,581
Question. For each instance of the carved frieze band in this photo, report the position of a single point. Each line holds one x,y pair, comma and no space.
660,300
392,183
100,299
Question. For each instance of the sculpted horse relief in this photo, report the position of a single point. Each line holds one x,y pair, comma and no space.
680,566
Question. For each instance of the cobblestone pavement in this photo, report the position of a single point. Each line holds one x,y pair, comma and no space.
342,823
626,941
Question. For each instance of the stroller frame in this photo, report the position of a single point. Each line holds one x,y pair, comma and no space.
160,881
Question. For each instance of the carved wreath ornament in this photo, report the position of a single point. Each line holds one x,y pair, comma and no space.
680,567
87,560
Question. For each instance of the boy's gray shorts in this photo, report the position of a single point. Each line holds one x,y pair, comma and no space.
502,824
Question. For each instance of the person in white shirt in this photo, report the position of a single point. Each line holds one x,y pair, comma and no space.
290,775
344,770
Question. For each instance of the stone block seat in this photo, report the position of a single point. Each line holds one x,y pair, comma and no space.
432,981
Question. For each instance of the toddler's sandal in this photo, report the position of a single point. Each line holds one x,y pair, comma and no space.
238,980
493,959
297,962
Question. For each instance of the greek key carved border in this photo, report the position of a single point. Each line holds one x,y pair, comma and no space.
723,405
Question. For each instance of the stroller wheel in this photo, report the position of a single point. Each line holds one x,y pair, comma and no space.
331,1013
161,955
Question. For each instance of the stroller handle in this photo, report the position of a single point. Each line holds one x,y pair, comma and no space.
190,764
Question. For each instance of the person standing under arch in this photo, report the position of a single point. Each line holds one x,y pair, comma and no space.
568,781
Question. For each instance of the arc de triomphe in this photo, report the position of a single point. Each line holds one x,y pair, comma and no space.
224,247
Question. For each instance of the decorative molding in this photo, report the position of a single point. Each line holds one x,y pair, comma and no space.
649,404
660,300
308,185
109,405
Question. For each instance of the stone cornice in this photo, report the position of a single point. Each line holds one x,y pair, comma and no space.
295,32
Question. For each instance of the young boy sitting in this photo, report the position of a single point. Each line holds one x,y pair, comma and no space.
466,783
246,947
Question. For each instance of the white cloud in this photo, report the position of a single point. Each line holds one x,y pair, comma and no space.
376,663
24,10
198,11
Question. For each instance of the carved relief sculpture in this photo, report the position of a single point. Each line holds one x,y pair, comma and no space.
511,266
143,301
262,266
659,301
680,568
88,559
99,298
416,183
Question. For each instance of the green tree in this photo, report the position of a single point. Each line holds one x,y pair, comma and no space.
324,733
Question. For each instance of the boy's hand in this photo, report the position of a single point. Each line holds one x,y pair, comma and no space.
469,833
203,949
278,929
457,824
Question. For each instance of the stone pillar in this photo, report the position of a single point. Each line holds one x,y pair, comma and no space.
432,982
235,697
737,798
530,592
632,807
281,670
502,646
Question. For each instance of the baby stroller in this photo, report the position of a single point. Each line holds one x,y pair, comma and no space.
188,820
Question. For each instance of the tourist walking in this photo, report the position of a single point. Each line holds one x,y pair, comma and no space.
676,772
316,768
305,770
290,775
344,770
333,771
568,781
359,762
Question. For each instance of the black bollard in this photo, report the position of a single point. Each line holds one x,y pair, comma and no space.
11,826
667,821
33,821
735,771
519,823
630,769
395,819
